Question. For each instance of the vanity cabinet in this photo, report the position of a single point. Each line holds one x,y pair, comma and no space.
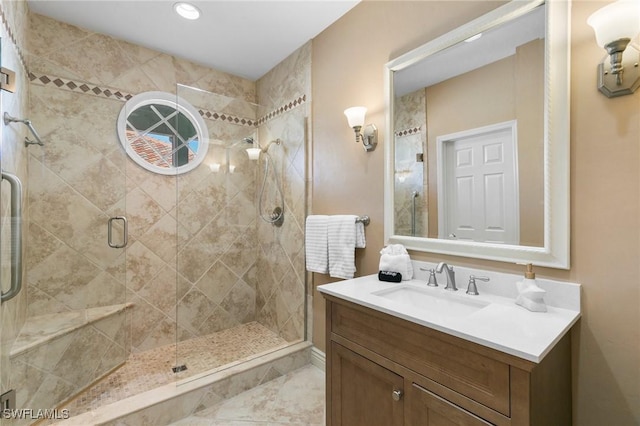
384,370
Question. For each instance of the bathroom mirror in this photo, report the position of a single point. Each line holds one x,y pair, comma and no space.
162,133
478,120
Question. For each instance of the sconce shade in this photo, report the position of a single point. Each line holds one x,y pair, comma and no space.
616,21
355,116
254,153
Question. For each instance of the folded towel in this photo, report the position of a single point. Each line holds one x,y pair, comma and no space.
316,244
394,258
342,243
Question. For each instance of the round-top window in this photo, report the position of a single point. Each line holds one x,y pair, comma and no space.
163,133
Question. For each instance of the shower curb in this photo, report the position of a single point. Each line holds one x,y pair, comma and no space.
175,401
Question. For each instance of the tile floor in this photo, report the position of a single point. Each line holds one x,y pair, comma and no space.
295,399
147,370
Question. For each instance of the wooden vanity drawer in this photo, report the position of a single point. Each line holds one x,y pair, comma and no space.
448,360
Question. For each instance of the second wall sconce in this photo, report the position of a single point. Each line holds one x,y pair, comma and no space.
369,136
615,26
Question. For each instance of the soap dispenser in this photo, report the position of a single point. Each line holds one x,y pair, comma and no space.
530,296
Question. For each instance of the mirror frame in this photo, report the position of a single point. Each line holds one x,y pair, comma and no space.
555,252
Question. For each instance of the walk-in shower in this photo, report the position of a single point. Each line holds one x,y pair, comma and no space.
142,276
151,287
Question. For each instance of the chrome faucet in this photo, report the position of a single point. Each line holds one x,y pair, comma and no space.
451,276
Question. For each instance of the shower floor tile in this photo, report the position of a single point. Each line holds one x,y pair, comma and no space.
150,369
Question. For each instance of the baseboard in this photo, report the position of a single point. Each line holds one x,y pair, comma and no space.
318,358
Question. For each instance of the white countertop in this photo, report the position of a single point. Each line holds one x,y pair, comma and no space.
501,325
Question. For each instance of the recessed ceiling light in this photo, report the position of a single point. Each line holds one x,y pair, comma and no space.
187,10
473,38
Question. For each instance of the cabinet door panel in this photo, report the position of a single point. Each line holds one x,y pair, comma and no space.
427,409
362,391
445,359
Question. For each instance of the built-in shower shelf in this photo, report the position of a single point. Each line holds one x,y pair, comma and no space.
42,329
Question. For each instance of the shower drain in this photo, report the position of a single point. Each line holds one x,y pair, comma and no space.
179,368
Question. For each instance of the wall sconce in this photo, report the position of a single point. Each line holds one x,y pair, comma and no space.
355,118
615,25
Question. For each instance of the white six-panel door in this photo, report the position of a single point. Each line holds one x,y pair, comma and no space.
478,185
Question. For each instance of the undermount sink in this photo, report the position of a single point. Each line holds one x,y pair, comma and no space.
436,301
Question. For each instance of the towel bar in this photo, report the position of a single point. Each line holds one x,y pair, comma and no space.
364,219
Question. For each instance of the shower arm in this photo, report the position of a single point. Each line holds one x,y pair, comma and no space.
276,141
9,119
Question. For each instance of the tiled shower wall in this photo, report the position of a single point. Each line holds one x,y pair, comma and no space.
410,138
280,292
150,199
79,82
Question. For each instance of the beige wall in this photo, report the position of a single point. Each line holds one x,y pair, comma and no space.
605,189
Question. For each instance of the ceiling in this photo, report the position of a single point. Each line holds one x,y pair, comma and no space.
244,38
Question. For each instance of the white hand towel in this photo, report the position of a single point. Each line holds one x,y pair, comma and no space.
342,244
316,244
361,241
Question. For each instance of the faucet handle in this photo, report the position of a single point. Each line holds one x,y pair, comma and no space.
472,289
433,281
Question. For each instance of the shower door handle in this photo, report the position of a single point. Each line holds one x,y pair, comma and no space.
16,236
125,238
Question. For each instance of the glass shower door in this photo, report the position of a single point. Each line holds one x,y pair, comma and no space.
240,289
4,273
216,233
72,328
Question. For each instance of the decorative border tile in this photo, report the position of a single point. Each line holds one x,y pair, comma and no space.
215,116
406,132
287,107
80,87
111,93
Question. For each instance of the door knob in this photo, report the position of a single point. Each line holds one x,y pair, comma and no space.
396,394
